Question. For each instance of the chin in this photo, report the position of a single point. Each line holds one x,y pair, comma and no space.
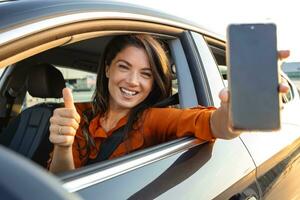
128,105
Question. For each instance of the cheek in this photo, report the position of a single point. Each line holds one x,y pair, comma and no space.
115,78
148,86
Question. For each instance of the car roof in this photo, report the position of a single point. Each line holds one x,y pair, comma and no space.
16,13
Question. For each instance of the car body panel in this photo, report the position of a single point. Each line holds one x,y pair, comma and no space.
182,175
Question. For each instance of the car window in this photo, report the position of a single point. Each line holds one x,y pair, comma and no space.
219,54
80,82
292,70
290,95
223,72
1,71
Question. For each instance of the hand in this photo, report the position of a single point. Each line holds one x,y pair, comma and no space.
220,118
64,122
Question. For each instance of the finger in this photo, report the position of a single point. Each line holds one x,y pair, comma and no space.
283,87
62,130
62,121
68,98
66,131
67,113
224,95
283,54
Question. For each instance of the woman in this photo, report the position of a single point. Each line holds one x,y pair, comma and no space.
134,75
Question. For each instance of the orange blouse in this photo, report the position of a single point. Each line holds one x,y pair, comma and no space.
157,125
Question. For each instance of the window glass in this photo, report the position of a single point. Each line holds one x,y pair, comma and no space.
174,79
220,59
292,69
82,84
1,71
288,96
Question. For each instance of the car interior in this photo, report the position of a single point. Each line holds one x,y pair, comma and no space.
32,89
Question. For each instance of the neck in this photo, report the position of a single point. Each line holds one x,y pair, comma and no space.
115,114
112,117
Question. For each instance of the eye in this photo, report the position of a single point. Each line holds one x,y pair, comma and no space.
147,74
123,67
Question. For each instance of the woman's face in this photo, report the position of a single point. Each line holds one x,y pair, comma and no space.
130,78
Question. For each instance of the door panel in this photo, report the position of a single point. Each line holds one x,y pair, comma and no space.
277,154
277,157
202,172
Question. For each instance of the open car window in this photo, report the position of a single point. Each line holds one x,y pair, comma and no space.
78,64
218,51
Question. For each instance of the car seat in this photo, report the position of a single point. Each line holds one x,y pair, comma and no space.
28,133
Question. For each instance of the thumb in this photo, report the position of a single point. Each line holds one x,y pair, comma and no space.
224,95
68,98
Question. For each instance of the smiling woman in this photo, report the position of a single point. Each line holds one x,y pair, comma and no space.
133,76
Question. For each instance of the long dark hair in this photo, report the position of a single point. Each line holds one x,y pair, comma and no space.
159,65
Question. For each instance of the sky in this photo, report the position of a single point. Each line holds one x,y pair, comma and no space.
216,15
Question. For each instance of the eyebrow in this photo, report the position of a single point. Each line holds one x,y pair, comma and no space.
145,68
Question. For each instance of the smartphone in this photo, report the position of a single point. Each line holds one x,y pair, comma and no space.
253,77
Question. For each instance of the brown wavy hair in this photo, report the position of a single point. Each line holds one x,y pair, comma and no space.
159,65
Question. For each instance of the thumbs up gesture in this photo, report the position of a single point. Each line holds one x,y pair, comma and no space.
64,122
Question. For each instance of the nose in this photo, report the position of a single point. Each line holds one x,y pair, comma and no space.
133,79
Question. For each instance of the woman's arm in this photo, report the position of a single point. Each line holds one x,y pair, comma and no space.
205,123
63,127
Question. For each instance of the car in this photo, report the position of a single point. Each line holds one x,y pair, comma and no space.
45,43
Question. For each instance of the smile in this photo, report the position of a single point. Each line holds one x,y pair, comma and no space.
128,92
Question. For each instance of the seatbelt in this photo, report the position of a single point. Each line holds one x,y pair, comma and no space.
109,145
172,100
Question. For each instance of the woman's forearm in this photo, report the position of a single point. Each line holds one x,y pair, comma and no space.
219,123
62,159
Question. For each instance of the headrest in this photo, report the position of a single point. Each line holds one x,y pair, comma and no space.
45,81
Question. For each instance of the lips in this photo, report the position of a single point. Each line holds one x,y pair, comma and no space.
128,92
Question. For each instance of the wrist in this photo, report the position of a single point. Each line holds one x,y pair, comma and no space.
62,148
212,122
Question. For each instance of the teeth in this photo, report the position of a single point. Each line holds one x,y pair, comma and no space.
128,92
